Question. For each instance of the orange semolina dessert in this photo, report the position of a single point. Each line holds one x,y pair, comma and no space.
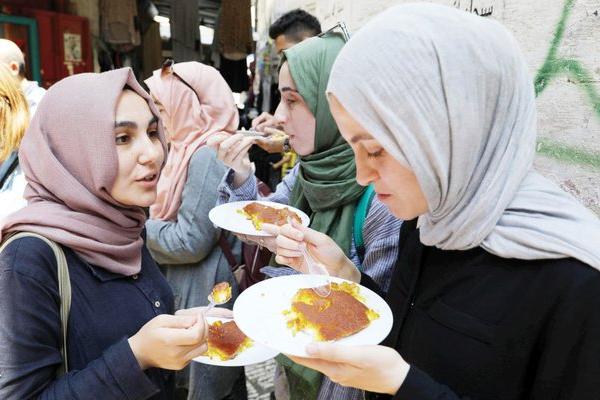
334,317
221,293
226,341
278,136
260,214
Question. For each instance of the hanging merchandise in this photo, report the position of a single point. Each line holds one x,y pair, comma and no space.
235,74
118,24
267,67
151,49
234,31
185,33
233,42
105,58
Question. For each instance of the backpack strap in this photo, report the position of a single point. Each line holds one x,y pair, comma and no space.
64,289
360,215
8,166
227,251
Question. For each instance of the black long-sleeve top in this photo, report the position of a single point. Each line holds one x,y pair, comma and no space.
473,325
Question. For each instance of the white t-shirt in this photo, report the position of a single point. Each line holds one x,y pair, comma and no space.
33,94
11,193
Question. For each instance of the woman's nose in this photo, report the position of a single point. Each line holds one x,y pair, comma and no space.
365,174
281,114
150,153
281,118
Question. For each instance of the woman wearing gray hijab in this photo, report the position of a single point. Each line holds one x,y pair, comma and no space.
495,293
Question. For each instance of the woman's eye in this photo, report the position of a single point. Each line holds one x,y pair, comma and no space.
289,102
122,139
375,154
153,134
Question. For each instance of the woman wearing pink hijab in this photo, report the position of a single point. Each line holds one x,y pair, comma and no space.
92,157
195,104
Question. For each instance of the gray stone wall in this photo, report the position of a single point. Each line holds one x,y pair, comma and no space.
561,41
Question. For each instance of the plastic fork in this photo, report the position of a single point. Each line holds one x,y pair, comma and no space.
316,268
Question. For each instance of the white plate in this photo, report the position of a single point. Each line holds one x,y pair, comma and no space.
226,216
258,312
252,355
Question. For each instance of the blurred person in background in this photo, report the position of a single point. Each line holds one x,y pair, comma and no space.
12,56
14,119
195,103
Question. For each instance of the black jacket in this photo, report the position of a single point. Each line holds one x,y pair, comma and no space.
473,325
106,309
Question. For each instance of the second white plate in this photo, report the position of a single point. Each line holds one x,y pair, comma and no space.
228,217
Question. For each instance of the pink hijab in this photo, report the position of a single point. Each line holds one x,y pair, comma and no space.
70,162
193,116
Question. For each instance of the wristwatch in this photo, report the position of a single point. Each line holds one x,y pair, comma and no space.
286,145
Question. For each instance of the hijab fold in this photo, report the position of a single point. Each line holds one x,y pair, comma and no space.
192,117
448,94
69,159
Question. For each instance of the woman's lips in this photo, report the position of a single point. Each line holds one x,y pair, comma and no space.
148,183
382,197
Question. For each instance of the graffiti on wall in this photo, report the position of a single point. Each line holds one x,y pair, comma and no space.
555,66
482,8
575,167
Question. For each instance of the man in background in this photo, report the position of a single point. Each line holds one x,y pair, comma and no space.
12,56
292,28
289,29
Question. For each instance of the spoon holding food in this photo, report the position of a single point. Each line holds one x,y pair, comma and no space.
220,294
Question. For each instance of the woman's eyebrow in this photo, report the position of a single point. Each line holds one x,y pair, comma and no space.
133,125
358,138
125,124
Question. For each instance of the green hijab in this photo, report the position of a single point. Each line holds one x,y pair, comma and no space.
326,187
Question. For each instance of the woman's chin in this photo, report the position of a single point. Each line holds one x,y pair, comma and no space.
399,211
147,202
143,201
300,148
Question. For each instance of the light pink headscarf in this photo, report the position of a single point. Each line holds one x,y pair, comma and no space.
193,117
70,162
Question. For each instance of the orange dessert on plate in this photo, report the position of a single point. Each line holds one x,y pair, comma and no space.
260,214
226,340
336,316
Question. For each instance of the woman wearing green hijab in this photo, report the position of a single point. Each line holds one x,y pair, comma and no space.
322,184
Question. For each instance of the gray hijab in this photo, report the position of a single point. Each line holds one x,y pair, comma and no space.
448,94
